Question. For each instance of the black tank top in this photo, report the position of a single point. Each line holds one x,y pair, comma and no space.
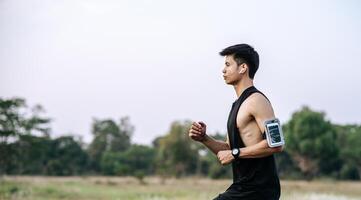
258,172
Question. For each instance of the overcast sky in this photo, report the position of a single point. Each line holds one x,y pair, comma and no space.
157,61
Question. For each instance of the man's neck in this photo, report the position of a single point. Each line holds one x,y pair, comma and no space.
242,85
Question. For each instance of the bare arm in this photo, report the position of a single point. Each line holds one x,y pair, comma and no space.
215,145
197,132
259,150
261,109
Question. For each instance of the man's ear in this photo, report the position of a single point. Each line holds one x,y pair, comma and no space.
243,68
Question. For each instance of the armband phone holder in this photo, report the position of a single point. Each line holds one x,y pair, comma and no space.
274,134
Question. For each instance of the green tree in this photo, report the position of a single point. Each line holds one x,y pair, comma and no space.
137,160
311,141
286,166
109,137
66,157
31,154
42,155
17,120
350,150
177,155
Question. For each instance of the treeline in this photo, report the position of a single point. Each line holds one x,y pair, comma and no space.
314,148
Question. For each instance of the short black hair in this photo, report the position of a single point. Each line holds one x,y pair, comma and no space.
243,53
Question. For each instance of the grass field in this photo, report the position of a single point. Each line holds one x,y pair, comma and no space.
127,188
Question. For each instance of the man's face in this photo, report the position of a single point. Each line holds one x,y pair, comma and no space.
230,71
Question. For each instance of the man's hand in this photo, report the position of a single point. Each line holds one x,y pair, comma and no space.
198,131
225,157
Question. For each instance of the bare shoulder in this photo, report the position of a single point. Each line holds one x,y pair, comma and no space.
259,106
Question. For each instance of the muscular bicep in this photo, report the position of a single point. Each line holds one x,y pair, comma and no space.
261,109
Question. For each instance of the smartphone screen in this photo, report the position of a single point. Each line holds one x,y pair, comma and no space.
274,132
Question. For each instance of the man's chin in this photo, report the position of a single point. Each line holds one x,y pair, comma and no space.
228,82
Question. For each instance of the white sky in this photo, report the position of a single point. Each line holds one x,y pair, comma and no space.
157,61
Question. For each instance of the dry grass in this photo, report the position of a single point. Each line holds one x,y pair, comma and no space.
128,188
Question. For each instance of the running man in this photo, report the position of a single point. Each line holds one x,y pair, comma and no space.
254,170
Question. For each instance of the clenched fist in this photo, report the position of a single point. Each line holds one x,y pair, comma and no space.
225,157
198,131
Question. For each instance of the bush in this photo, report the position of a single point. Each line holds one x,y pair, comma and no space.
349,172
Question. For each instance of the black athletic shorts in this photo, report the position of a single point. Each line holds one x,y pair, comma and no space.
239,192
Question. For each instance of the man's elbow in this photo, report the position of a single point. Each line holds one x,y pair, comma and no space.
277,149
